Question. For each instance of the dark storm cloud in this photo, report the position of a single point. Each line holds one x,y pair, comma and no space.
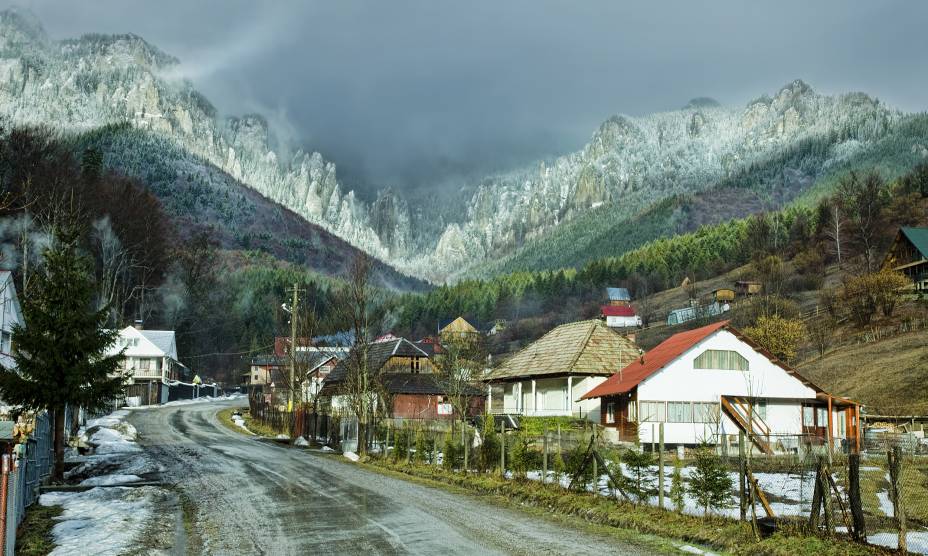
422,93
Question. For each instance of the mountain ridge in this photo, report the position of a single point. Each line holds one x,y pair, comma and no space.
629,165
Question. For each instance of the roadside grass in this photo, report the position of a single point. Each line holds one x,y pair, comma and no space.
718,533
259,429
34,536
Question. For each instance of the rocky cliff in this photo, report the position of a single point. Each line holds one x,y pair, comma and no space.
629,163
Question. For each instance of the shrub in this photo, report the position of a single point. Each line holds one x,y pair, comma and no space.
489,444
710,484
778,335
641,483
400,443
420,445
450,452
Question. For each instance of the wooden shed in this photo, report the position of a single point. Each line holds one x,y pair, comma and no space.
723,295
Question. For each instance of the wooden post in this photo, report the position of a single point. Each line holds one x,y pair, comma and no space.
544,457
595,474
742,478
652,438
817,493
660,469
502,448
826,499
408,443
857,513
831,441
895,473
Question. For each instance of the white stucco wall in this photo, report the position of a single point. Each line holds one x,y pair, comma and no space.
551,397
680,381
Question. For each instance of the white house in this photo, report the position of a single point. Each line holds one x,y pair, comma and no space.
712,383
548,377
151,358
620,316
11,314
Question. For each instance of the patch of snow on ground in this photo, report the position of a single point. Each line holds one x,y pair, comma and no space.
100,521
917,541
110,480
351,455
328,449
300,441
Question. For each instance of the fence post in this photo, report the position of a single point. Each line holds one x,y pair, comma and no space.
857,512
895,473
595,470
544,456
825,472
817,492
660,469
742,479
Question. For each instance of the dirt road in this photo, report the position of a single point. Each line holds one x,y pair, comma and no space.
254,497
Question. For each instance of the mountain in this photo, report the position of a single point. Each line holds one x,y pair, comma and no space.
692,165
105,92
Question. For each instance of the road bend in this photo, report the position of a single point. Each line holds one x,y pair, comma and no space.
252,496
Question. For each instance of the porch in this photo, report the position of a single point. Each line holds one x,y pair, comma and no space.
544,397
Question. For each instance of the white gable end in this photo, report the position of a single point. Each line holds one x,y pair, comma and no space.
136,344
680,381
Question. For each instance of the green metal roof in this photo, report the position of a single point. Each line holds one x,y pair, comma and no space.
917,237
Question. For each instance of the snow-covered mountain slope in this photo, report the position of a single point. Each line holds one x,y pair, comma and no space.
628,165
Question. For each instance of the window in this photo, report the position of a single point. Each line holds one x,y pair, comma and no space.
760,409
610,412
653,412
808,416
679,412
6,342
720,359
414,364
705,412
632,411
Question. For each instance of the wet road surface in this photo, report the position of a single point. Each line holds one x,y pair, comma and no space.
255,497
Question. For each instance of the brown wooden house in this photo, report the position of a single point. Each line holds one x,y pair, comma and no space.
909,255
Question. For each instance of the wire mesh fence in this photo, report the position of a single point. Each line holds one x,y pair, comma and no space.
26,465
832,490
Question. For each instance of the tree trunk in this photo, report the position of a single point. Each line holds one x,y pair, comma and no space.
58,475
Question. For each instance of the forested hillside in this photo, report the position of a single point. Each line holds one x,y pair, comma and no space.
804,172
166,270
802,233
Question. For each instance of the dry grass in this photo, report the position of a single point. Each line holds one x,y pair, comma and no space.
887,376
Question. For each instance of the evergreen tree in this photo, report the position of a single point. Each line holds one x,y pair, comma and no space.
61,352
710,484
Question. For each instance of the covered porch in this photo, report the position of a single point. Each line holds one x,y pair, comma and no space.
544,397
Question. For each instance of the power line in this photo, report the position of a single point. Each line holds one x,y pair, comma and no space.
230,352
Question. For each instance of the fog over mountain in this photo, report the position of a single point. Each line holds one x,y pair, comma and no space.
416,95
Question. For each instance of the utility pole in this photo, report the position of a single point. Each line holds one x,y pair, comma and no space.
293,316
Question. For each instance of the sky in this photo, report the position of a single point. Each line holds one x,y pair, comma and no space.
422,94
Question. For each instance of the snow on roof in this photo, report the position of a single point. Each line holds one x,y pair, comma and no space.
163,340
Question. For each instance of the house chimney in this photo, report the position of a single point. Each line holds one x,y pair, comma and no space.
138,324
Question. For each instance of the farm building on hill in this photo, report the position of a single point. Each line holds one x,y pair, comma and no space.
548,376
619,316
712,383
618,297
909,255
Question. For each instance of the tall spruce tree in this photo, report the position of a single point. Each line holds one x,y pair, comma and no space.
61,351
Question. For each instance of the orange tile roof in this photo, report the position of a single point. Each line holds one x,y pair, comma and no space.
652,361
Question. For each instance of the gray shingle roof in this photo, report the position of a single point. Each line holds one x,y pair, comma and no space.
163,340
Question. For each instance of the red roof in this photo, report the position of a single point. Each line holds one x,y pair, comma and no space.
617,311
653,361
